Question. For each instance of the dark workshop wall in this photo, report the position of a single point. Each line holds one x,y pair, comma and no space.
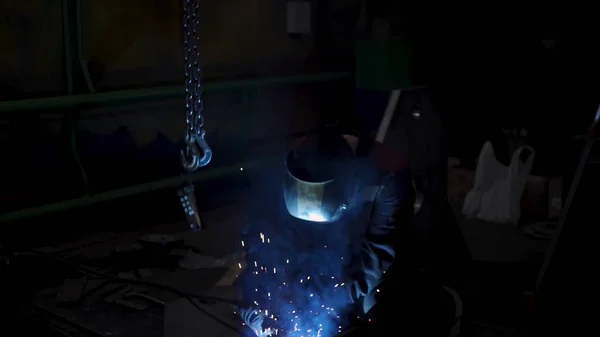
133,44
138,43
32,48
494,67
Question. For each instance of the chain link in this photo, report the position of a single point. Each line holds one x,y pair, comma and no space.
193,158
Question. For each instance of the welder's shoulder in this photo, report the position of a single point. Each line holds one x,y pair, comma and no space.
388,159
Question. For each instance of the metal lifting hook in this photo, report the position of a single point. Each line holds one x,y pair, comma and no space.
197,153
201,153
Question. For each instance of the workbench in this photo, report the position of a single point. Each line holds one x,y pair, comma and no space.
103,309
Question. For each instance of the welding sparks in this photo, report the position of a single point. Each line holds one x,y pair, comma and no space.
309,308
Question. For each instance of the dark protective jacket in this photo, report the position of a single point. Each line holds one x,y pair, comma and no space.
386,210
356,250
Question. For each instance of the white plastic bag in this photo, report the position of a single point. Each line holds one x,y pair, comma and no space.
488,170
497,191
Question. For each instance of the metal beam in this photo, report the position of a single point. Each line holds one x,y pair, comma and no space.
126,192
137,95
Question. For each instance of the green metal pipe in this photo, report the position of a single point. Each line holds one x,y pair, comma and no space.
136,95
125,192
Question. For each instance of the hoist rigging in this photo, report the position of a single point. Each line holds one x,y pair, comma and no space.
197,152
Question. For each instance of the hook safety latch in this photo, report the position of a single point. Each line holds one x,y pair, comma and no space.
200,153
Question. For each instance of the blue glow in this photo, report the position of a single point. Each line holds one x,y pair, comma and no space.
316,216
300,293
294,268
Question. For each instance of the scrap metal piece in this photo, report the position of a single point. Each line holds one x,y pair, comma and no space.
122,296
132,304
117,294
71,290
232,274
141,295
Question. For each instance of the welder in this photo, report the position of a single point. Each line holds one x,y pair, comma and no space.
355,181
356,195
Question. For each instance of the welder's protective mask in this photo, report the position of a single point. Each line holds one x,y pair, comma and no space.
319,199
312,201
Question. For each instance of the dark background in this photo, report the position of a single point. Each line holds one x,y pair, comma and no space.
488,67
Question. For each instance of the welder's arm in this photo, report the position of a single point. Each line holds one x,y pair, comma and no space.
393,207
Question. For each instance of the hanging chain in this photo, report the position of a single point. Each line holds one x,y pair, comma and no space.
197,153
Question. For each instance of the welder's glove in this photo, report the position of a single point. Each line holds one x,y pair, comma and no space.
354,294
368,302
363,302
253,319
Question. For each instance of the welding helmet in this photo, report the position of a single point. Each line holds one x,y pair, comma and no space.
317,177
